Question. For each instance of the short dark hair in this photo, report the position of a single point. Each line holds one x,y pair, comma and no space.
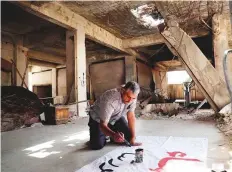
133,86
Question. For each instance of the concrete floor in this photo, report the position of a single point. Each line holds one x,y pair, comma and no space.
64,147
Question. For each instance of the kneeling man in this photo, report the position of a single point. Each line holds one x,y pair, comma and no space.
107,116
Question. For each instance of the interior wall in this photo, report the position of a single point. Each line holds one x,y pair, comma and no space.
144,74
61,82
7,48
41,78
5,78
176,91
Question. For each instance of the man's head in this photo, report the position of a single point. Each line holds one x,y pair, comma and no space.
130,92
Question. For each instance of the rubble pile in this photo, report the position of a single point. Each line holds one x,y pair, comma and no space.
224,120
19,107
174,111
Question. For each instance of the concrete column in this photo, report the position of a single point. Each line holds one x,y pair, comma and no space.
130,67
54,82
30,86
161,81
22,65
70,66
80,71
220,24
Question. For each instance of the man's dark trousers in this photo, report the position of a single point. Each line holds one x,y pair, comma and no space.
98,139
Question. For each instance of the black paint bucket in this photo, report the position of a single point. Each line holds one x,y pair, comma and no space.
139,155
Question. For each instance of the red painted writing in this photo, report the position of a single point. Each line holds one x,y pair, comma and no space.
172,156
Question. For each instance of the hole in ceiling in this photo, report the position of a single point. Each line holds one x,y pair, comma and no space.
148,16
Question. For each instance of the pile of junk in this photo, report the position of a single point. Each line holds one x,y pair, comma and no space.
22,108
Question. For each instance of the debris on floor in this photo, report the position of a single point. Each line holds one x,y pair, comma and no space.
226,110
224,120
174,111
19,107
165,108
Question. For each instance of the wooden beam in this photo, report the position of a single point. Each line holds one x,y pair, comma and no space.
198,67
51,50
154,39
33,62
143,41
45,57
63,16
160,66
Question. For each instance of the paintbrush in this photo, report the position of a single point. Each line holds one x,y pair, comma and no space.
125,141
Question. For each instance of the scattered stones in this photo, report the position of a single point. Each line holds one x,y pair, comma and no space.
165,108
224,120
200,115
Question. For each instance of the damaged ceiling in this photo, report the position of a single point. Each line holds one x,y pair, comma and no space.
125,19
41,35
116,17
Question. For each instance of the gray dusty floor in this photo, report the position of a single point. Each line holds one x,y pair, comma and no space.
65,147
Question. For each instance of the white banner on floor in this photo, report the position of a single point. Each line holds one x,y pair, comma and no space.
160,154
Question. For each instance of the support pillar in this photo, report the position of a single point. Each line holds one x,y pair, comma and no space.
197,65
161,82
70,66
21,63
130,67
54,82
80,71
220,23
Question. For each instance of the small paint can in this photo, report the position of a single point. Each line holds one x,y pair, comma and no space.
139,155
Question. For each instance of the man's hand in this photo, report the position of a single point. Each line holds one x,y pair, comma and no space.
118,137
131,123
133,143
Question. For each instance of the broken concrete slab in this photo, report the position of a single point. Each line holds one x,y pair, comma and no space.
227,109
164,108
197,65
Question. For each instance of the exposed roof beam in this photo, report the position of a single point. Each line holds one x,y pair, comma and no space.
154,39
34,62
51,50
45,57
143,41
170,65
63,16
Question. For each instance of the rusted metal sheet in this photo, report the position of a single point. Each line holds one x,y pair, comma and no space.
175,91
106,75
144,75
